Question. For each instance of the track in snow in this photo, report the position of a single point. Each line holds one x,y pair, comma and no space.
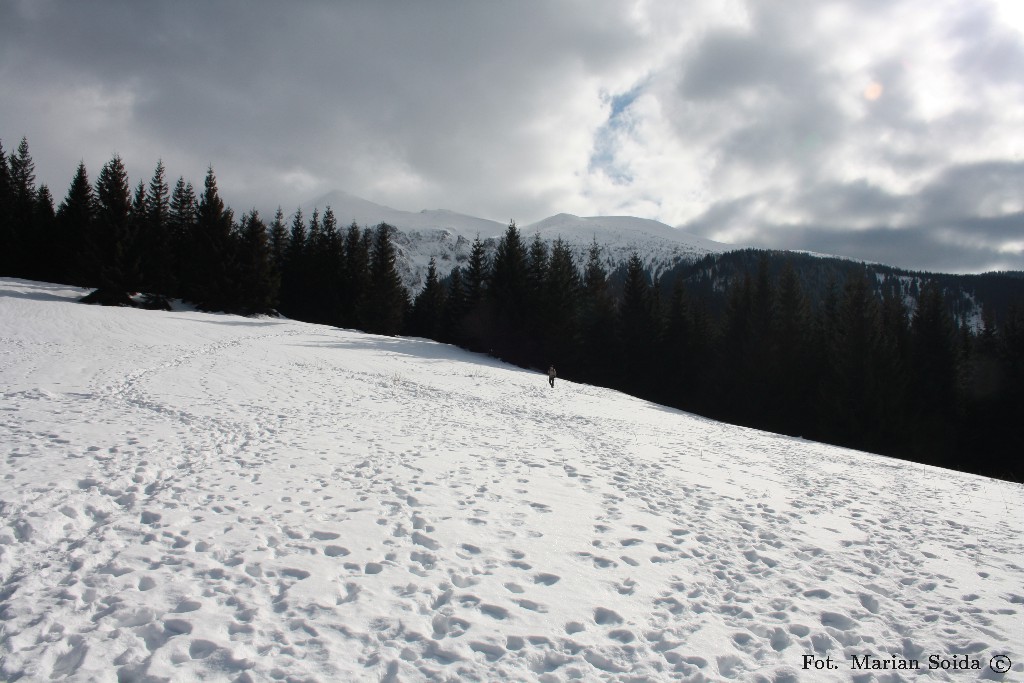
191,496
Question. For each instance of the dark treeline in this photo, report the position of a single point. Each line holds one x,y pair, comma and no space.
853,367
174,242
965,295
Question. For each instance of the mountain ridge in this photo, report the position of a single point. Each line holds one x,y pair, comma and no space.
666,252
447,236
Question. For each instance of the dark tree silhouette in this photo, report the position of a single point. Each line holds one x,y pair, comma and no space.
560,311
598,322
356,276
789,403
279,239
8,236
933,371
257,272
214,284
74,227
428,309
20,211
155,242
112,241
182,217
386,303
41,243
295,280
638,328
454,310
477,321
507,295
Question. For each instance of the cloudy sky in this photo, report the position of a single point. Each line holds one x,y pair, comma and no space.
888,130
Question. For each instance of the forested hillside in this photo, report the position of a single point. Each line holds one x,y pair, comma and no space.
750,338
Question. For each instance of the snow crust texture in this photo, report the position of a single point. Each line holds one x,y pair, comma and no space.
207,497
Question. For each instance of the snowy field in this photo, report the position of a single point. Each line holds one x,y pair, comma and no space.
208,497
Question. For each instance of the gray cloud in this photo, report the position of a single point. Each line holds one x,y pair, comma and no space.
892,246
732,120
952,225
987,51
966,191
435,94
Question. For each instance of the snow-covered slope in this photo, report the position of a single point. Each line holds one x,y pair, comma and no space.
348,208
189,496
659,246
447,236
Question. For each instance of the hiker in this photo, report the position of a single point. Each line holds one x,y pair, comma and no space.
551,376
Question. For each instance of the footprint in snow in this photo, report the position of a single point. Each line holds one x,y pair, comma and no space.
532,606
605,617
494,611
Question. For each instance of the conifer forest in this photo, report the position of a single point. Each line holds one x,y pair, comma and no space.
851,367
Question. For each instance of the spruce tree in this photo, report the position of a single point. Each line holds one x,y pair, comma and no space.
137,219
477,272
182,213
315,308
428,308
757,360
21,211
112,238
258,278
560,308
278,241
7,234
355,276
824,324
157,263
42,245
507,294
637,328
892,363
791,409
1011,353
536,276
454,309
678,355
788,408
933,377
387,300
74,227
731,400
327,267
329,226
476,323
295,281
313,236
315,275
598,320
507,285
214,285
849,396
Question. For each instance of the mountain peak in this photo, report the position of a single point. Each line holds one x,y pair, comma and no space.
446,235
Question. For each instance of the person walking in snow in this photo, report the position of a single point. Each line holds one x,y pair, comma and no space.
551,376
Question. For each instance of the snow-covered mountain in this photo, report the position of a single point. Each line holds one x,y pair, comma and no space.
190,496
348,208
447,236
